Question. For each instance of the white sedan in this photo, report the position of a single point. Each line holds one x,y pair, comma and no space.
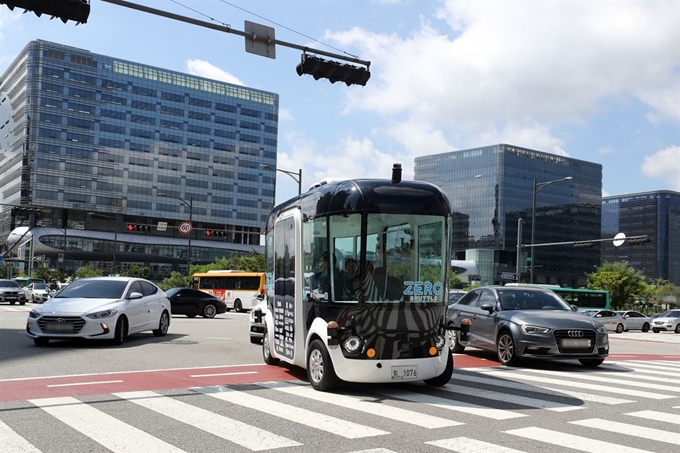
612,320
101,308
669,320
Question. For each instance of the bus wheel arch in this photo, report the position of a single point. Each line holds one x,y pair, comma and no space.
320,371
456,347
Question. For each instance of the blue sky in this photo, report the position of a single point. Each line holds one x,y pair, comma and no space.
594,80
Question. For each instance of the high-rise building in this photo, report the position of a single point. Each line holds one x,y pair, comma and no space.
118,154
492,187
655,214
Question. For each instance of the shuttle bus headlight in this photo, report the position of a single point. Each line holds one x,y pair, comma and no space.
352,344
441,341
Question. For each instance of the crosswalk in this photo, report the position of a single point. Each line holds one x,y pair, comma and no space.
631,406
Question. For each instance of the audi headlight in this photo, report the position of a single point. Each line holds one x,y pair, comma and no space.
533,330
352,344
33,314
102,314
601,329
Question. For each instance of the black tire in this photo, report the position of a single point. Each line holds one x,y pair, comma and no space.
40,341
505,349
655,331
320,371
619,328
645,327
163,325
591,363
256,340
193,315
677,328
121,331
12,303
209,311
22,303
443,378
266,353
238,306
456,347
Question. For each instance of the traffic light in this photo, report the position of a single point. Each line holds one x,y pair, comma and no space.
333,71
75,10
136,227
638,240
212,233
584,244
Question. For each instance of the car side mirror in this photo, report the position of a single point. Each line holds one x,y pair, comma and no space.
598,316
487,307
135,295
573,307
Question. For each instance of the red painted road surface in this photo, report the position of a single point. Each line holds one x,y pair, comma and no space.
92,384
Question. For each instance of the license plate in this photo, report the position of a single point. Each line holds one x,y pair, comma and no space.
59,327
574,343
404,372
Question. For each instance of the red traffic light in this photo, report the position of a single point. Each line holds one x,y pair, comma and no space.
135,227
130,227
208,233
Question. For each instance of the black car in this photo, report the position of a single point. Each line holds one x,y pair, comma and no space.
192,302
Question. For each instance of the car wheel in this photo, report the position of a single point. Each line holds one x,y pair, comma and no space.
209,311
505,349
41,341
591,363
238,306
22,303
645,327
677,328
193,315
121,331
655,331
266,352
443,378
255,340
320,371
12,303
456,347
619,328
163,325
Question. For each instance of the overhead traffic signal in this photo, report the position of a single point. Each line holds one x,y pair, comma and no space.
137,227
638,240
75,10
215,233
334,71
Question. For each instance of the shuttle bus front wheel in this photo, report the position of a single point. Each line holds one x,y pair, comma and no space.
320,371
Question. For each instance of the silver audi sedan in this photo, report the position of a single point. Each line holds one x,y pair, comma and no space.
523,322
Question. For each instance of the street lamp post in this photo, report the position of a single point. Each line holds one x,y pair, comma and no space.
537,188
297,177
115,234
190,204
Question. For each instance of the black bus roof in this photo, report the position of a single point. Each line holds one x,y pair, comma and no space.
368,196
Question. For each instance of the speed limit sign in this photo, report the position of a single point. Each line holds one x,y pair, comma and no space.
185,227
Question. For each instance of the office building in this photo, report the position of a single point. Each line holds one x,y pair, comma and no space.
118,154
655,214
492,187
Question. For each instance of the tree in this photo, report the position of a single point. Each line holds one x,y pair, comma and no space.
88,271
176,280
251,262
139,271
622,281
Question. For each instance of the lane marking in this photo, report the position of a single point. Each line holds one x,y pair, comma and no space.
577,443
467,445
222,374
627,429
84,383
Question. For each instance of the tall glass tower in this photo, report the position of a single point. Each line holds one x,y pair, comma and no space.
492,187
103,144
655,214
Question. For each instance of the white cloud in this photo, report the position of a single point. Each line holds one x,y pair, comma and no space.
204,69
560,61
664,165
606,150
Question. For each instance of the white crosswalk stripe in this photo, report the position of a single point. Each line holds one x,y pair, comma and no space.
381,412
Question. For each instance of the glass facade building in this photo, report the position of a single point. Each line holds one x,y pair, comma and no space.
655,214
93,140
492,187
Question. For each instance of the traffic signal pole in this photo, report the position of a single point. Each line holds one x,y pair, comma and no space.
270,41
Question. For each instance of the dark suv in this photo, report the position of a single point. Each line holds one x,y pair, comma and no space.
11,292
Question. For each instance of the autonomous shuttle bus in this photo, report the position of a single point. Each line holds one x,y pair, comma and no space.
356,282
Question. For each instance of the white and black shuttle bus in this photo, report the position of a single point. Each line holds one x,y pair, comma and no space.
357,275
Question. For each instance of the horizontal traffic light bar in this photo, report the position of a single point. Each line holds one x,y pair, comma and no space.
219,233
632,240
334,71
138,227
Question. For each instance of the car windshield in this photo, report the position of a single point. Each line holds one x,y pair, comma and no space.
94,289
39,286
8,284
671,314
455,297
531,300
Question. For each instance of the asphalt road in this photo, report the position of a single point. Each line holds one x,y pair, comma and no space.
204,388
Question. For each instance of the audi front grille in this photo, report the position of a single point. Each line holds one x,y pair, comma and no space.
576,334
